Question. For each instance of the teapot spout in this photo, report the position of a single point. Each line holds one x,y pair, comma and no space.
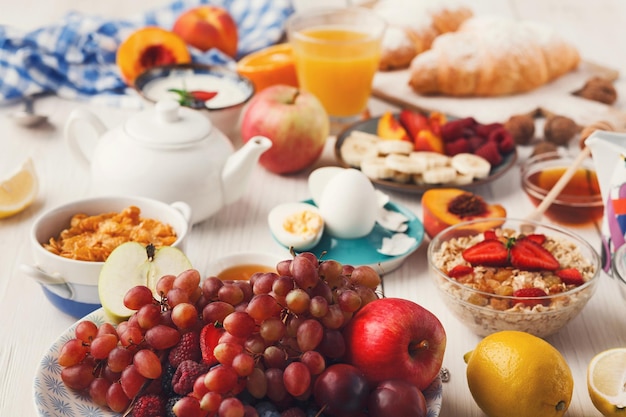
239,166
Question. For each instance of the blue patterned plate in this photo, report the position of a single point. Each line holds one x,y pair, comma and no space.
54,399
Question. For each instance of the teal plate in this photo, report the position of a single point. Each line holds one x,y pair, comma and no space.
363,251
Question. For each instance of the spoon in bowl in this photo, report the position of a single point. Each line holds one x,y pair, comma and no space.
27,117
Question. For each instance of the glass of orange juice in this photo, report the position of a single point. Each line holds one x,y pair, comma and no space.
336,54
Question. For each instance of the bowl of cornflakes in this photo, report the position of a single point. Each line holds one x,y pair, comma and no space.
522,275
70,243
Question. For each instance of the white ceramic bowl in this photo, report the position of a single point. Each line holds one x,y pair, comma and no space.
233,90
72,285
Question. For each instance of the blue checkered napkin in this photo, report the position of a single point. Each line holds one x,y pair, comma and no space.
75,59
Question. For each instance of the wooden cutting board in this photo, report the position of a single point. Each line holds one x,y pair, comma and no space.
556,97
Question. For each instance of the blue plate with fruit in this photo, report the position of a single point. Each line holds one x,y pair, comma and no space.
350,154
54,399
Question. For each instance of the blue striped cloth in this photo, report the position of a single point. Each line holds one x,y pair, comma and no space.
75,59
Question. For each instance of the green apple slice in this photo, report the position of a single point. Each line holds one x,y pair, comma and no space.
132,264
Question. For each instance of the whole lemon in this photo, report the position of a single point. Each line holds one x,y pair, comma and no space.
516,374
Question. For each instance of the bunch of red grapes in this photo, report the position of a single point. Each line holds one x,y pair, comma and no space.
272,344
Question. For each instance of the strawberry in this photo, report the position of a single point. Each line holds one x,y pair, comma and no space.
526,295
194,99
413,122
460,271
209,338
570,276
149,406
528,255
488,253
536,237
490,235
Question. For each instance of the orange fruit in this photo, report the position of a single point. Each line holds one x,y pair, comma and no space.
269,66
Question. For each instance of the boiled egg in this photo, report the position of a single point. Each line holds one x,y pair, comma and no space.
296,225
348,204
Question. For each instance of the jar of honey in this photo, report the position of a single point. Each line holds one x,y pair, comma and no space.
580,201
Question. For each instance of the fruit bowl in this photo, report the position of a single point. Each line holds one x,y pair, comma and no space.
515,295
580,201
71,284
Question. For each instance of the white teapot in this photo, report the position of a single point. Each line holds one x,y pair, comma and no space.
169,153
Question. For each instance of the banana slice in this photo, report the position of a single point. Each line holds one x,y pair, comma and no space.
401,177
402,163
356,148
386,147
470,164
376,168
439,175
427,160
462,179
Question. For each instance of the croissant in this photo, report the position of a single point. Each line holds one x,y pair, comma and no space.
413,26
490,56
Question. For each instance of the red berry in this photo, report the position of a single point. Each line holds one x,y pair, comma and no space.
570,276
151,405
188,348
528,255
488,253
526,296
460,271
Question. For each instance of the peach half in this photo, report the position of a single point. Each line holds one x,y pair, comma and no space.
206,27
444,207
149,47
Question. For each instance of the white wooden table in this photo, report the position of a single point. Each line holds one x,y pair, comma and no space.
29,324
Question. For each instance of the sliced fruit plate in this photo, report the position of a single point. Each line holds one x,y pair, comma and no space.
53,399
448,167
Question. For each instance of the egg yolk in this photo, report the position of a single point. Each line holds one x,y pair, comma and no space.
303,223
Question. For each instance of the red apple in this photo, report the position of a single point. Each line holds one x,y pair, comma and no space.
206,27
392,338
294,120
396,397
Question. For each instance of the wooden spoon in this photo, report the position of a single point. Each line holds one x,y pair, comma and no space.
556,190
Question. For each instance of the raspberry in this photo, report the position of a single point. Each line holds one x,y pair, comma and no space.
489,151
186,374
460,145
188,348
504,139
475,142
485,131
149,406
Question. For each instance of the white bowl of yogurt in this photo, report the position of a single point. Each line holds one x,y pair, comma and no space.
232,90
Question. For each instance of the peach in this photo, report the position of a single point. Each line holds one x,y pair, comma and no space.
443,207
206,27
390,128
149,47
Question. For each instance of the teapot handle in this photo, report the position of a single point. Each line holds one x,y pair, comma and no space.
72,136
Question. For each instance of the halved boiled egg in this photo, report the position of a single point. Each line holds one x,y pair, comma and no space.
296,225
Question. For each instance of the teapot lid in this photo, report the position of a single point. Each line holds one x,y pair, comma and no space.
167,125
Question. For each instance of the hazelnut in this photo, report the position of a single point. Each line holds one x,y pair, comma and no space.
522,128
598,89
588,130
544,147
559,129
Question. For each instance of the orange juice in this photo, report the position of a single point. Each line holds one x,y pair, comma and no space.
337,65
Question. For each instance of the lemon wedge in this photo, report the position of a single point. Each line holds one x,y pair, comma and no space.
606,382
19,190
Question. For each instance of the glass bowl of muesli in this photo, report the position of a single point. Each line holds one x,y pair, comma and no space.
523,275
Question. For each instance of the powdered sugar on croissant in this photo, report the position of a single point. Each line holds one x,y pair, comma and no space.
492,56
413,25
